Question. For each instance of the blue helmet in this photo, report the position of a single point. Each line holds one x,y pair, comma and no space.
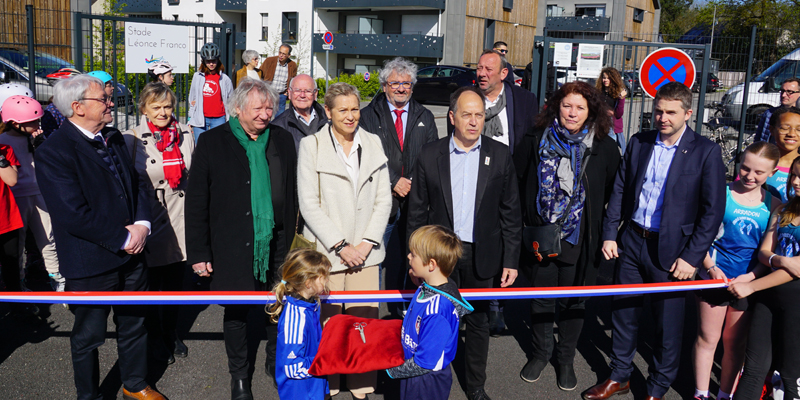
102,75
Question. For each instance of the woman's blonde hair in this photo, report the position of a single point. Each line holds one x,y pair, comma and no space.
791,209
156,92
340,89
301,266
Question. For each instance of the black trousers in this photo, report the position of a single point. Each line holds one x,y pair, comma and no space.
773,337
570,311
9,260
476,338
162,319
89,330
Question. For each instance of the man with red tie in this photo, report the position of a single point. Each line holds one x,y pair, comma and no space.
404,126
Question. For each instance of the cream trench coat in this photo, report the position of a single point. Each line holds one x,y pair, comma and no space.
167,241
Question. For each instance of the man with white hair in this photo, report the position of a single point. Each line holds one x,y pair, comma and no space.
307,116
404,126
100,217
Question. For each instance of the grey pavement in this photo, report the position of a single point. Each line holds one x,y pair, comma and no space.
35,358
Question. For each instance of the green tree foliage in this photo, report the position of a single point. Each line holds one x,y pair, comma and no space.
673,17
367,89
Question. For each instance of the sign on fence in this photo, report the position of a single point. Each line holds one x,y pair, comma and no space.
146,44
590,60
562,55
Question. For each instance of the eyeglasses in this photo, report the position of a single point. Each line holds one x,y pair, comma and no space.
785,129
303,91
105,99
395,85
790,92
502,51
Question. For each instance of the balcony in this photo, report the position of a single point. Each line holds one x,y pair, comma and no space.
142,7
231,5
578,23
407,4
406,45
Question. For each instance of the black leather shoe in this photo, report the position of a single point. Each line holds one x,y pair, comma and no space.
532,371
565,377
159,351
181,351
269,368
478,394
240,389
497,323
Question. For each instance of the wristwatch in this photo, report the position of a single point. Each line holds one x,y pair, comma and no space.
4,163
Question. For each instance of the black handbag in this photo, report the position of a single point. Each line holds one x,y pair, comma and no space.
545,240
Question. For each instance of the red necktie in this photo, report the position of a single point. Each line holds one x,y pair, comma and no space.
398,126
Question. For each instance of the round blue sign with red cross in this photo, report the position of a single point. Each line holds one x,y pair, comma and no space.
328,37
664,66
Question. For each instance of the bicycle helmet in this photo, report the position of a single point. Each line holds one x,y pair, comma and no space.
64,73
13,89
21,109
158,68
102,75
210,51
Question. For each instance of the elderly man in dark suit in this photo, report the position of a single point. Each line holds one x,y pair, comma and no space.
240,213
669,197
101,221
468,184
404,126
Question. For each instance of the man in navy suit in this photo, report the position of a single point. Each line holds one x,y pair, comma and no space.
101,222
669,198
467,183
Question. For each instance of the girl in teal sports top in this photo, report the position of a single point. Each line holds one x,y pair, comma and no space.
733,253
788,143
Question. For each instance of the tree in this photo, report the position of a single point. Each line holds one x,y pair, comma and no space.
673,13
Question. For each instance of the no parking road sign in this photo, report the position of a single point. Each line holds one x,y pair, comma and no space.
664,66
328,38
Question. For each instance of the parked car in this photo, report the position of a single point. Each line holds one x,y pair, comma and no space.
763,91
631,81
436,83
14,63
711,86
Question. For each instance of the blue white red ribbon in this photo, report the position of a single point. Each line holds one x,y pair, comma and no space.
365,296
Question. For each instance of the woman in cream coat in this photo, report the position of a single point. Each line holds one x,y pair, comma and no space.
345,199
157,138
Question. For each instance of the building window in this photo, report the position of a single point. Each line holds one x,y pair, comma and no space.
638,15
554,11
590,11
264,26
289,27
175,17
488,36
199,17
173,2
508,5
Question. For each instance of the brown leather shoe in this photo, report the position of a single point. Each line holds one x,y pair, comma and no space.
606,389
147,393
652,398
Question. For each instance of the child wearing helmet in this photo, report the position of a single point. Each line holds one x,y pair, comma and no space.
161,71
108,81
21,116
208,96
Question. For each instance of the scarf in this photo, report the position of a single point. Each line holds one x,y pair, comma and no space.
168,143
561,154
260,196
493,126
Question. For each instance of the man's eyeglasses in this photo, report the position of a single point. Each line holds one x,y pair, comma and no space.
303,91
395,85
105,99
790,92
502,51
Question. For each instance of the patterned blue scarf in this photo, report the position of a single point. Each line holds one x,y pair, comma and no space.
560,154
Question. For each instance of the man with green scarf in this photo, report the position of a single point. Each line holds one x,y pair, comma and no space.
240,210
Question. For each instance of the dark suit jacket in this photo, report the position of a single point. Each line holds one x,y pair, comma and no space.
88,207
525,107
421,129
497,228
694,198
219,225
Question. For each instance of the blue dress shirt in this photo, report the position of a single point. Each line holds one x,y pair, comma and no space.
648,210
463,186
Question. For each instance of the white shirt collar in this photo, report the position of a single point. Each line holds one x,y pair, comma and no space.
490,103
300,117
85,132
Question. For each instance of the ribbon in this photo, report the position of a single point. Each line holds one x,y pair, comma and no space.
365,296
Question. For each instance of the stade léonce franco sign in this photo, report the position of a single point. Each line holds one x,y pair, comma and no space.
149,43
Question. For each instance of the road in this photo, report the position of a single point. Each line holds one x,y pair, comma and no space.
35,356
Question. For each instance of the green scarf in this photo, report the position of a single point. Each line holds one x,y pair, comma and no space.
260,196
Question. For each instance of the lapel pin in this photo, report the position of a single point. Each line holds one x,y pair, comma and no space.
487,161
685,151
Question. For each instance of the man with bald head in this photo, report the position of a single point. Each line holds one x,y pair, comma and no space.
307,116
468,184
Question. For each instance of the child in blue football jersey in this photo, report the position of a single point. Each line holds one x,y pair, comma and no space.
430,327
304,276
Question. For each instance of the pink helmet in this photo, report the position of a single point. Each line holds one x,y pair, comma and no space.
21,109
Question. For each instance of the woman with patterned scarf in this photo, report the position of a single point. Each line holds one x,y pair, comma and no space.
161,150
570,141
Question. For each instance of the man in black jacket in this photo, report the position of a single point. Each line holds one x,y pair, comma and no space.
404,126
307,116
